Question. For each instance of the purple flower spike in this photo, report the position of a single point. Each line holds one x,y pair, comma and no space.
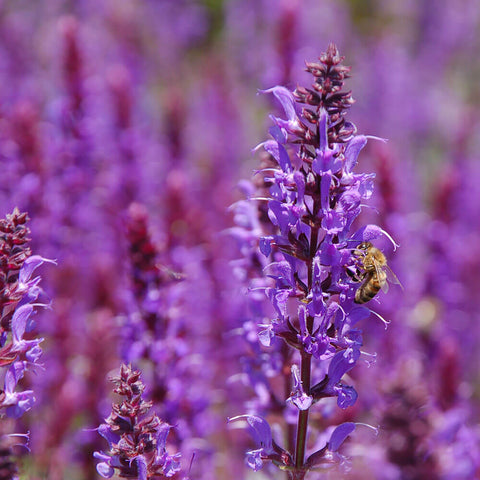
137,439
320,267
18,292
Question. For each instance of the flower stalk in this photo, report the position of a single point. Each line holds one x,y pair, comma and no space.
303,414
20,296
316,264
137,439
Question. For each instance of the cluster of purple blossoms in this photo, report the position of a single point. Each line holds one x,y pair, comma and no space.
314,199
20,294
137,439
159,338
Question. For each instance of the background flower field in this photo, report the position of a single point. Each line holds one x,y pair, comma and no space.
126,133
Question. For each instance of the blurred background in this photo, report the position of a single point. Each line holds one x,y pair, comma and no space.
127,125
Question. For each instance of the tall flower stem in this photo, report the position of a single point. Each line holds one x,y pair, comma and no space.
306,364
303,414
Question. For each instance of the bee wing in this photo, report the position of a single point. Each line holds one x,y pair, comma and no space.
391,277
384,285
382,276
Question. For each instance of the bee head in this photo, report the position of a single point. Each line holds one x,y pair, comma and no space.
365,246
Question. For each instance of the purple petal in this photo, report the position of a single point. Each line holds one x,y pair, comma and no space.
299,398
105,470
35,352
19,322
325,183
281,271
339,435
100,455
302,319
171,465
322,127
366,185
333,222
141,467
285,97
162,435
352,151
370,232
106,432
278,134
266,245
282,215
302,401
30,264
279,299
347,396
266,336
356,314
260,430
279,153
300,182
13,375
25,401
338,367
254,459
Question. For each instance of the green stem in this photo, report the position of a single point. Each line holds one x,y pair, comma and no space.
303,414
305,369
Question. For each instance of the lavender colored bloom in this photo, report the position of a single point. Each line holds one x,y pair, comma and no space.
20,296
315,196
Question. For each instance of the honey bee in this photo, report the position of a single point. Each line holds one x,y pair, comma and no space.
375,272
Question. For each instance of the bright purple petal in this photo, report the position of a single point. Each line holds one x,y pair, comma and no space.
352,151
29,266
260,430
339,435
19,322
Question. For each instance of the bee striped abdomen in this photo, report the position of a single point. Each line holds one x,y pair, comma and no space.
370,287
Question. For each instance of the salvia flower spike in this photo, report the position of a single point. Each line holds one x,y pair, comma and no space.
318,259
